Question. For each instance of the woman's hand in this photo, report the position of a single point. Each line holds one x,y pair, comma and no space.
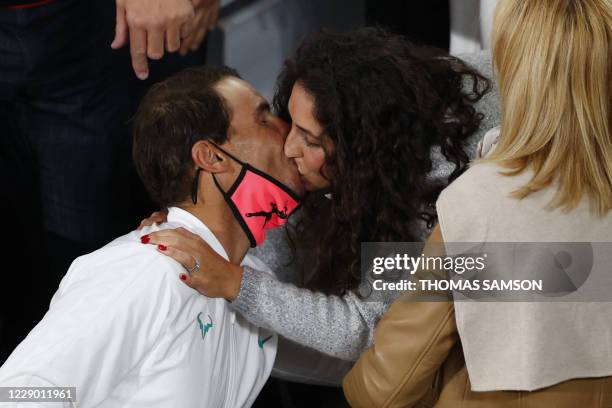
215,277
155,218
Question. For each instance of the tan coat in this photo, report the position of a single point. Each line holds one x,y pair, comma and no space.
417,361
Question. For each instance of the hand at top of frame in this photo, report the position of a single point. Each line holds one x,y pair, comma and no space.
211,274
206,16
151,27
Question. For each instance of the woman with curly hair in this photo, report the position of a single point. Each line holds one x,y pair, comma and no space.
375,121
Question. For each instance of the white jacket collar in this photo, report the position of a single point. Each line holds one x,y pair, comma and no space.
194,224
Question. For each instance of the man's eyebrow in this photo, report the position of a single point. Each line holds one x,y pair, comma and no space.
262,107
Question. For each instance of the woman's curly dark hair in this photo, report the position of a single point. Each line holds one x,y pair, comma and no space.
385,104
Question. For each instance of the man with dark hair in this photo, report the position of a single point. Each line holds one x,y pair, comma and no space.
66,92
122,328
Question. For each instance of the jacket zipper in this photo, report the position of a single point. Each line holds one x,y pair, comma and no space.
230,388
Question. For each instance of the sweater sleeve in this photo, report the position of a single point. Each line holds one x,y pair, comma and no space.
342,327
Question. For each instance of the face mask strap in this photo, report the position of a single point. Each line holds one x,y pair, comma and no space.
217,184
228,153
196,179
232,189
194,186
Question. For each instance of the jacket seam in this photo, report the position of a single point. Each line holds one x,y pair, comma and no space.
465,389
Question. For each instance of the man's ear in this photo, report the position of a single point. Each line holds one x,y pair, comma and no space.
207,157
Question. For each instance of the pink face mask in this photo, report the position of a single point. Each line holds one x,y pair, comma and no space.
259,201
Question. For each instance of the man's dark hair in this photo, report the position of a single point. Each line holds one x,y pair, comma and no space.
172,117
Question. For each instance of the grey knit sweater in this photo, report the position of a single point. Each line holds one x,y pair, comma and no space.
339,326
342,327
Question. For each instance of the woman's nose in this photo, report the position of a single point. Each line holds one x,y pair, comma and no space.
291,145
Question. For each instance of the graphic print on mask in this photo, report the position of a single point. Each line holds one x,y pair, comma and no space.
268,214
256,199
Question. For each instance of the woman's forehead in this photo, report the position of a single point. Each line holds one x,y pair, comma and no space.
302,109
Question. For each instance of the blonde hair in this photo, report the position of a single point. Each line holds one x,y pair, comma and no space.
554,64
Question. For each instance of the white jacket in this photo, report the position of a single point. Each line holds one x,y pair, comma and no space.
126,332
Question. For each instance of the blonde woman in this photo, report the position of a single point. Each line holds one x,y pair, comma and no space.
546,177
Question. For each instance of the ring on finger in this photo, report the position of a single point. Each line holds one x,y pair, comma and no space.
194,268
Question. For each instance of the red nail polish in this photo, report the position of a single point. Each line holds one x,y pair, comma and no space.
162,247
183,277
145,239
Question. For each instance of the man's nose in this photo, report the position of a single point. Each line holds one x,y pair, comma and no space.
284,128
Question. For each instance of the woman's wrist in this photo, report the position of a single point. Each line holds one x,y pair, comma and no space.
233,283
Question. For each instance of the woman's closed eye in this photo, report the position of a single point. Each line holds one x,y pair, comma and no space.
311,144
309,140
